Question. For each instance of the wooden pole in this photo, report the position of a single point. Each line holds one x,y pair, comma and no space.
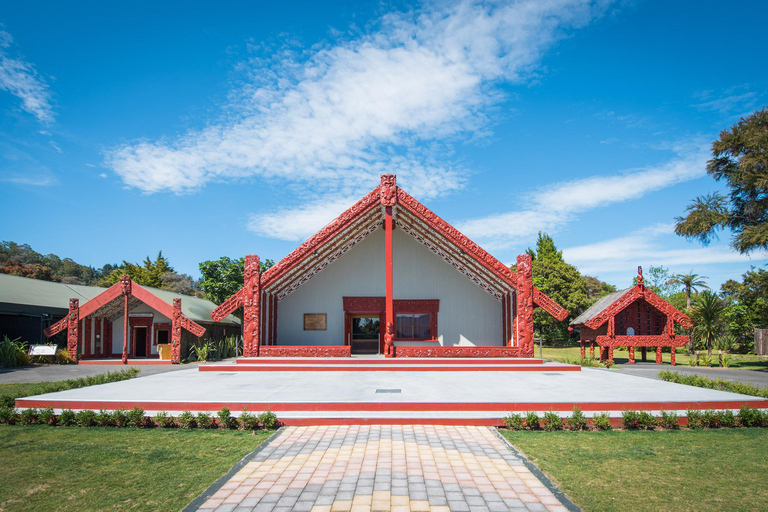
389,283
125,330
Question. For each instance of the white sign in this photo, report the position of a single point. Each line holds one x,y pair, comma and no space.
42,350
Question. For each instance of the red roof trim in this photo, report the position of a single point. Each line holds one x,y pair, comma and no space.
633,295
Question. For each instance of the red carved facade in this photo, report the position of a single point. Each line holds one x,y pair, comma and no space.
456,352
637,318
111,303
516,292
306,351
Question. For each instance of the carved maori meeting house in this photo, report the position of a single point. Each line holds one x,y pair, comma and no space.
635,317
388,276
97,329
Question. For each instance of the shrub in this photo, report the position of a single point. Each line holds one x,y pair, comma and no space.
104,419
204,420
706,360
13,352
630,419
532,420
224,420
268,419
722,385
120,418
164,420
67,418
63,357
646,420
710,419
135,417
577,421
28,416
669,420
695,419
186,420
85,418
7,401
749,417
726,418
725,360
513,421
247,421
46,416
552,421
602,421
7,415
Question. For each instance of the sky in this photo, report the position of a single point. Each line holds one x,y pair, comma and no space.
209,129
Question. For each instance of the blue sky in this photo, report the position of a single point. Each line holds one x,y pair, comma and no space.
206,131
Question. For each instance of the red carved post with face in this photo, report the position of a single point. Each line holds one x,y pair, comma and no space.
73,327
388,196
176,332
525,304
125,284
251,306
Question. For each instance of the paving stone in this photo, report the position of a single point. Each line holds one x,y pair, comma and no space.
460,469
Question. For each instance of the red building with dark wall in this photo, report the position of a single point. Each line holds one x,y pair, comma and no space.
635,317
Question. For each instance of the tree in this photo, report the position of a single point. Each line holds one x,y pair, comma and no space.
690,282
707,318
740,158
224,277
157,274
597,288
660,280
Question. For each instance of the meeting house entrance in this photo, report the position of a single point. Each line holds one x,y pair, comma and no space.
365,333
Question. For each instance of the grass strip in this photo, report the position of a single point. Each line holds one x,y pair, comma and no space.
678,470
10,392
720,384
114,469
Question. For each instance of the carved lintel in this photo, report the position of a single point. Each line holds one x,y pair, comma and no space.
388,190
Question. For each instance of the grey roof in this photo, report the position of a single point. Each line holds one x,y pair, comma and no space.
596,308
34,292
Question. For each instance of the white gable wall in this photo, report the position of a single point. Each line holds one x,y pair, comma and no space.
468,315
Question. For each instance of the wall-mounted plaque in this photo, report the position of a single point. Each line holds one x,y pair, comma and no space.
315,321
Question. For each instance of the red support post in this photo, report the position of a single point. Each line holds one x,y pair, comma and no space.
658,355
73,327
388,198
592,349
504,338
176,332
583,349
125,284
631,355
525,305
251,306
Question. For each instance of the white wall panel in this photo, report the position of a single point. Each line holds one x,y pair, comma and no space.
468,315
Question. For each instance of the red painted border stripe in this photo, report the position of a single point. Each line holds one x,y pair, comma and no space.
388,368
394,361
388,406
120,362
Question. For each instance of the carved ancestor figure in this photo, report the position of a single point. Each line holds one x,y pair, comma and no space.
251,306
389,339
176,332
73,327
525,304
388,190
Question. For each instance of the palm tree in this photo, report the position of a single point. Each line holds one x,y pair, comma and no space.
691,282
708,318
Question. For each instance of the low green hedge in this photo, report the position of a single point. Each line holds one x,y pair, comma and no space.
720,384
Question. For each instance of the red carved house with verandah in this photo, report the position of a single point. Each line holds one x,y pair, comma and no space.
389,276
635,317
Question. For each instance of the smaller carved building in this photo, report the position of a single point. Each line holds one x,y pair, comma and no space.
635,317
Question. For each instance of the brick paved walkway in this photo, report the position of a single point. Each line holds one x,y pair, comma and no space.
372,468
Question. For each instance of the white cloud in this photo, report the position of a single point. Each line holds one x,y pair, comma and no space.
618,256
392,100
31,181
555,205
736,100
20,78
301,222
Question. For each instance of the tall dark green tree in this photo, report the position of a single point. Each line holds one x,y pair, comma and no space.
740,159
223,277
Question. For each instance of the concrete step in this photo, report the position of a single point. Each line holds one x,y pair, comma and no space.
394,361
290,366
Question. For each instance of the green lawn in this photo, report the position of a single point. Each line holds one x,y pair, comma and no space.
57,468
621,356
667,470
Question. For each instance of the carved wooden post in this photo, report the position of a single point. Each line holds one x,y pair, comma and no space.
592,349
125,283
73,327
631,355
672,355
525,304
658,355
251,306
583,349
176,332
644,353
388,197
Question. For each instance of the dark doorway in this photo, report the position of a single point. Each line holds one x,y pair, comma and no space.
141,342
365,334
162,337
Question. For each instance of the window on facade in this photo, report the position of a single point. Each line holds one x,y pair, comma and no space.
413,326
